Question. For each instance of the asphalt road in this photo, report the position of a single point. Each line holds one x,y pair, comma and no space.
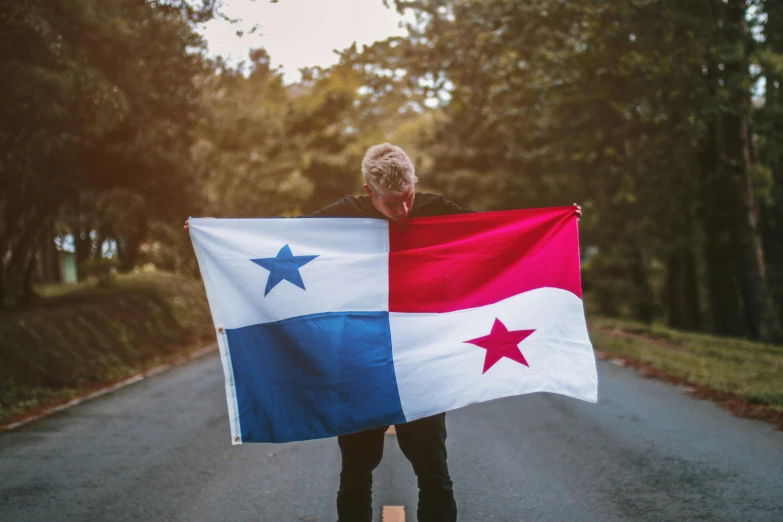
160,450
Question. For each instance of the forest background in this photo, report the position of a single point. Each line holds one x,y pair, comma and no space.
662,118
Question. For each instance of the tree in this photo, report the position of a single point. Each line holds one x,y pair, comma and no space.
769,134
640,110
78,119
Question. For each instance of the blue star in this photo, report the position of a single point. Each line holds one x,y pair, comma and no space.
284,267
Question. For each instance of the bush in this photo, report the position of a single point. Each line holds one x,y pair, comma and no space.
94,335
102,269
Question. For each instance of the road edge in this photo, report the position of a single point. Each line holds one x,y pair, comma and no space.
735,404
179,361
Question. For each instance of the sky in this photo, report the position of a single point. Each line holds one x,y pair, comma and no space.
300,33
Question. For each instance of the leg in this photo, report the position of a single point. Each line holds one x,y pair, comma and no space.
423,442
361,453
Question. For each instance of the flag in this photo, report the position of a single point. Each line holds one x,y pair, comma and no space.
331,326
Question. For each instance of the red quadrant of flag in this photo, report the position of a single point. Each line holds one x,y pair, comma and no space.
447,263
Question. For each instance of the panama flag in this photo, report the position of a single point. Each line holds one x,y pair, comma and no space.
330,326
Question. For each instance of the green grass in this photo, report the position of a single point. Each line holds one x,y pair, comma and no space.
76,338
751,370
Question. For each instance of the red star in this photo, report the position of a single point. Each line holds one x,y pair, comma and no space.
502,343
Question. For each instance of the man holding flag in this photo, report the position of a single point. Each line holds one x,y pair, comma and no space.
389,177
364,323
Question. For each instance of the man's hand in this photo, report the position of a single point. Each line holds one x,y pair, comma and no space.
577,210
186,227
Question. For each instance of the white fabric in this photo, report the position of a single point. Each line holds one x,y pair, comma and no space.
350,274
438,371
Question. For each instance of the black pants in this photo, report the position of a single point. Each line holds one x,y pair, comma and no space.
423,442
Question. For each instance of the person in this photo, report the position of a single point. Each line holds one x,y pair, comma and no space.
390,179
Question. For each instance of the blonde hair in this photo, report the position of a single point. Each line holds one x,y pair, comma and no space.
386,168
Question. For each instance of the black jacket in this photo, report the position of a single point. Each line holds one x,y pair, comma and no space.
424,204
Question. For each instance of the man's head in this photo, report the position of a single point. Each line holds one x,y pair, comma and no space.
389,178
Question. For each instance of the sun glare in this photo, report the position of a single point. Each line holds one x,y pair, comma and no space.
300,33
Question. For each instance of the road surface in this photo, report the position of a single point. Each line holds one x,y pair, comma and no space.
160,450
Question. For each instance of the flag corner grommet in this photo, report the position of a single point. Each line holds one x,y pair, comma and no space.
237,439
221,330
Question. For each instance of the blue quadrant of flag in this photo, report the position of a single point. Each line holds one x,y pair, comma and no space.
339,379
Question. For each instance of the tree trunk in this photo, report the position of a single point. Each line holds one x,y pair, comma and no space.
690,292
643,300
83,245
771,216
682,291
18,261
747,253
49,264
724,302
129,243
26,295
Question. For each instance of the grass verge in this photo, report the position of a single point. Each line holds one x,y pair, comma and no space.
72,343
742,376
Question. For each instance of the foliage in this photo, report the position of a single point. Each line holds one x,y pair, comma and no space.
75,118
721,364
661,118
90,336
272,150
638,110
101,269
